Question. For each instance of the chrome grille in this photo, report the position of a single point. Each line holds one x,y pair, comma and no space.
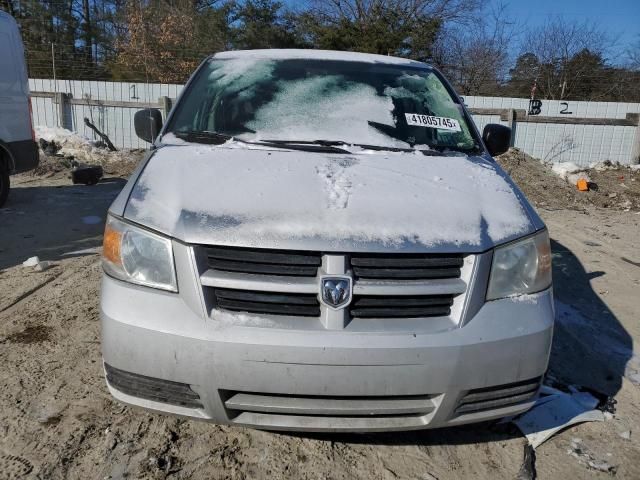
287,284
406,266
263,262
401,306
298,304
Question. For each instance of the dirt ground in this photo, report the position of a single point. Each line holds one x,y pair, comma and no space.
57,419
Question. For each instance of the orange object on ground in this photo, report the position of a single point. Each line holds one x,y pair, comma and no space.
582,185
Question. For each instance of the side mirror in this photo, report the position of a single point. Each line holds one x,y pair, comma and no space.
497,138
148,123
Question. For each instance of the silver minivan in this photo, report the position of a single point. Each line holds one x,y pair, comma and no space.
18,149
322,241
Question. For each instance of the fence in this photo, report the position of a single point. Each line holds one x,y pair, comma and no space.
579,132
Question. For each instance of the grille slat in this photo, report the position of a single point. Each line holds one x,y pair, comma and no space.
488,398
401,307
263,262
410,261
329,405
406,273
263,268
427,300
400,313
267,303
264,256
261,297
406,266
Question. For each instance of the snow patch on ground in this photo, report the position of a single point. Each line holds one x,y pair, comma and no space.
570,172
62,136
81,148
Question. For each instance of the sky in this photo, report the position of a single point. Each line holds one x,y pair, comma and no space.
621,18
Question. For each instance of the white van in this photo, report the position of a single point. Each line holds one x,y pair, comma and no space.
18,149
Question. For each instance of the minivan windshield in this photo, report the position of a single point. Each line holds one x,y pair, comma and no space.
325,101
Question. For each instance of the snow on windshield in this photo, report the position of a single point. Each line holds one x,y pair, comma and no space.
324,107
241,74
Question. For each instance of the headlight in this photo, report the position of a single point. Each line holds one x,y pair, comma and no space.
521,267
136,255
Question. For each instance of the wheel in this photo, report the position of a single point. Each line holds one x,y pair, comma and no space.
4,184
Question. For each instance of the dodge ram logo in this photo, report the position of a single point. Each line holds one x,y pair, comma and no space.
336,291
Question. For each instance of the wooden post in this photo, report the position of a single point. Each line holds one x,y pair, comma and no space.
635,149
511,121
166,106
61,99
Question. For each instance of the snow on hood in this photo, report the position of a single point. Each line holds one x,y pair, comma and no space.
300,200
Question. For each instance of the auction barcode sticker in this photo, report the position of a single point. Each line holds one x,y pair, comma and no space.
441,123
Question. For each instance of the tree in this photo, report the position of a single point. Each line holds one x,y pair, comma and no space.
633,55
569,54
476,59
523,75
167,42
389,27
264,24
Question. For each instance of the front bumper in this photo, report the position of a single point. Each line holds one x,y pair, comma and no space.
276,378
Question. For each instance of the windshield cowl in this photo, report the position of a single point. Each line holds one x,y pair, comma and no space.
324,146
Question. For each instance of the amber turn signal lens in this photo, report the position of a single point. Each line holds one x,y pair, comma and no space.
111,245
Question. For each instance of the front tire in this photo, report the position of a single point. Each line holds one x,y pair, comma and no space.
4,184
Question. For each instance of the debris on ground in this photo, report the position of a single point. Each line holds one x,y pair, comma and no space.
86,174
63,152
528,469
42,266
572,173
579,451
31,262
554,411
553,186
626,434
37,264
49,148
103,136
583,185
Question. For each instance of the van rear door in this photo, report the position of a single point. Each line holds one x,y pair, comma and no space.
15,119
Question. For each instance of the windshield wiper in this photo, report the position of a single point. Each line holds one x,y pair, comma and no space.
321,146
216,138
203,136
329,143
333,143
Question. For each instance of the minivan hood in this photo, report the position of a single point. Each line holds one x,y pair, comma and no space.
365,201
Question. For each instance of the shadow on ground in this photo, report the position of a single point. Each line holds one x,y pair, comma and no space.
590,345
50,221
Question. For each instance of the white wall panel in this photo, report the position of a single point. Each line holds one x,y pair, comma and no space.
581,144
